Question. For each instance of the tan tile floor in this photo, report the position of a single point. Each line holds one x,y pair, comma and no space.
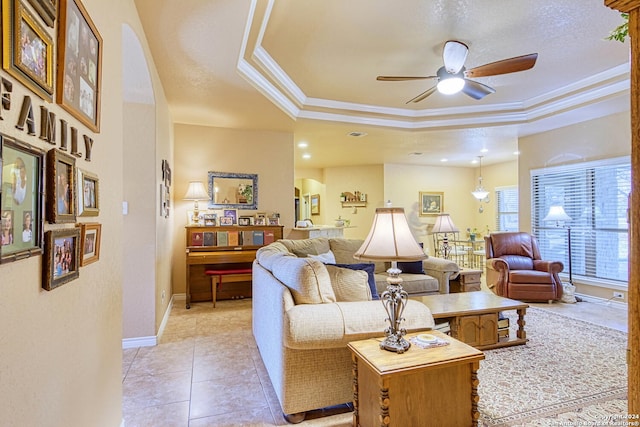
207,370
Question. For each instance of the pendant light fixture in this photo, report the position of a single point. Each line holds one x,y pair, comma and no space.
480,193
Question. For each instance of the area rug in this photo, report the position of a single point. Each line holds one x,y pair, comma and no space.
569,371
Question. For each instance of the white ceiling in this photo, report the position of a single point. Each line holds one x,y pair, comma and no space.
310,66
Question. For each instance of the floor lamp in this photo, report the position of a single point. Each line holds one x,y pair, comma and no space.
557,214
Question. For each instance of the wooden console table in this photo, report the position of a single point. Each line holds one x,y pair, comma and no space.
419,388
473,317
204,253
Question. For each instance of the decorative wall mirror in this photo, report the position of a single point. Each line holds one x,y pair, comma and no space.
233,190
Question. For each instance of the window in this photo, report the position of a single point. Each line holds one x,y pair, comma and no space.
595,196
507,206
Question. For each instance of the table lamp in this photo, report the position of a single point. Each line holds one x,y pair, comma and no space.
390,239
444,225
195,192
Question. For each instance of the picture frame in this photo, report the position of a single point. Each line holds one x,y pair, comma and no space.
244,221
210,219
21,200
79,64
88,192
28,49
315,204
260,221
61,187
47,9
231,213
90,236
274,221
61,257
225,220
431,203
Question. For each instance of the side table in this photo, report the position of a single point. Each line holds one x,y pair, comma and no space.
467,280
421,387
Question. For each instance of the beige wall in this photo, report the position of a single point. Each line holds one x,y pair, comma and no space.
603,138
202,149
61,350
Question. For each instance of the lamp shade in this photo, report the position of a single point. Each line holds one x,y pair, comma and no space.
557,213
390,238
444,224
196,191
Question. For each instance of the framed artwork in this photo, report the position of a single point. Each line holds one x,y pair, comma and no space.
61,257
79,64
21,200
231,213
260,221
88,193
61,187
90,242
47,9
315,204
28,49
274,221
210,219
431,203
245,220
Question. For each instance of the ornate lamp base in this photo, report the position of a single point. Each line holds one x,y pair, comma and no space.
394,300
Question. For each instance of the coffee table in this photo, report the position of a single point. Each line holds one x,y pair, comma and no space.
473,317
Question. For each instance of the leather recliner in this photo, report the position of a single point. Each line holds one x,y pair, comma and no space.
515,269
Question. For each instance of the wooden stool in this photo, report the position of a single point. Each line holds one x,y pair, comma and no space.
219,274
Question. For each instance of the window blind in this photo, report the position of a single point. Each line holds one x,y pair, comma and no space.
595,196
507,209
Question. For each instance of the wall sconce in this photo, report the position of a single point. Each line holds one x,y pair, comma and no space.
195,192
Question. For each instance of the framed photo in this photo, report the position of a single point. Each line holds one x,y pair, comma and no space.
88,193
61,187
431,203
21,200
210,219
231,213
245,220
79,64
226,220
260,221
47,9
28,49
315,204
90,238
61,257
274,221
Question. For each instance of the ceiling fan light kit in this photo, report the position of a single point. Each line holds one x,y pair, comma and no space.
453,77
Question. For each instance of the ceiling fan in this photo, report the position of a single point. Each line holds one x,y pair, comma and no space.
453,76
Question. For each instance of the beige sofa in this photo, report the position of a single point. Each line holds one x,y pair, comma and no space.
303,319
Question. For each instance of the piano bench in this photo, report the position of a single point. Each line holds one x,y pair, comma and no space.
217,275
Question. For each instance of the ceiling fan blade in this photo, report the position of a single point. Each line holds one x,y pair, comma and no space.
423,95
453,55
505,66
402,78
476,90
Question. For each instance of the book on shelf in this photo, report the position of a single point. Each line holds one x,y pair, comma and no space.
258,238
503,334
232,239
247,238
196,239
209,238
222,238
503,323
443,327
269,237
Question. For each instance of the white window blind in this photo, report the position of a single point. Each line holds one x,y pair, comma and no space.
595,196
507,209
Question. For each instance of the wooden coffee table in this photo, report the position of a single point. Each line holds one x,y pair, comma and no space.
473,317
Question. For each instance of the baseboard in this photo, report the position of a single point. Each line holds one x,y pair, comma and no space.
598,300
151,341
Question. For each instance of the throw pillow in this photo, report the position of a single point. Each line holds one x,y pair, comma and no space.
348,284
413,267
370,269
325,258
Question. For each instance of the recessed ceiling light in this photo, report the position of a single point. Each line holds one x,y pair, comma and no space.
516,153
474,161
302,145
306,156
484,150
444,160
357,134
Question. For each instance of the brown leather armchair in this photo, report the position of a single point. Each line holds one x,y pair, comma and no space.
515,270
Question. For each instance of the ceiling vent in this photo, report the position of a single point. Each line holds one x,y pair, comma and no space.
357,134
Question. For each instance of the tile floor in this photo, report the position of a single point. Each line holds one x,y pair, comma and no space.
207,371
